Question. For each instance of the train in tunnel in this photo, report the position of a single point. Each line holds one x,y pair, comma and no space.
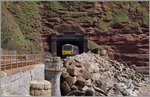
70,50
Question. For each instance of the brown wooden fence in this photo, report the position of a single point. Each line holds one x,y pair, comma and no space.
10,59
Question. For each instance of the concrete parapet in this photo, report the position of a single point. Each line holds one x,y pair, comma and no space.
17,81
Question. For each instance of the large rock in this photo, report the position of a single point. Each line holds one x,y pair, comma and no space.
86,74
102,84
65,74
71,80
73,70
88,68
95,67
96,76
65,88
89,92
100,90
74,88
103,52
77,64
89,82
76,93
81,80
88,88
68,62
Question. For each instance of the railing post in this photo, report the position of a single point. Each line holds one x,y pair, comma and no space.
10,62
25,61
21,60
4,60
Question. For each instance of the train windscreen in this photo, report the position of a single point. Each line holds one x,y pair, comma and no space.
68,48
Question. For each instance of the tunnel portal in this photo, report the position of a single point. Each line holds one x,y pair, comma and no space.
57,41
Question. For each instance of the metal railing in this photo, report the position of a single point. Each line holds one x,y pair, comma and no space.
10,59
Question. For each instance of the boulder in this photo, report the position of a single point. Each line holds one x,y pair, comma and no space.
101,84
95,67
89,82
86,74
88,88
74,88
99,90
65,74
77,64
81,80
65,88
76,93
103,52
68,62
88,68
96,76
85,88
73,70
89,92
125,92
71,80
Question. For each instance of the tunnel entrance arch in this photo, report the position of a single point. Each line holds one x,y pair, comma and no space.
57,41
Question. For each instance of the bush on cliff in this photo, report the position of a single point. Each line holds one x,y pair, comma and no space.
26,16
11,36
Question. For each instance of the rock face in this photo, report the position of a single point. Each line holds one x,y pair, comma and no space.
100,77
120,27
131,49
110,24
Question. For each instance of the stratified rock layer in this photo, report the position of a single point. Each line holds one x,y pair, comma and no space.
119,27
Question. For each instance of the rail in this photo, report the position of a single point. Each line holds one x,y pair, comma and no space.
10,60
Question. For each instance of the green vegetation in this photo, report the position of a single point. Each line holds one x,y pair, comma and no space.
146,19
108,15
141,9
92,45
34,47
119,18
48,55
91,10
70,13
56,5
11,36
103,26
26,16
134,24
65,5
86,18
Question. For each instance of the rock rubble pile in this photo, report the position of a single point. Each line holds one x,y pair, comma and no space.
89,74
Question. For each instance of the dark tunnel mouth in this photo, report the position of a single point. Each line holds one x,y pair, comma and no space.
73,42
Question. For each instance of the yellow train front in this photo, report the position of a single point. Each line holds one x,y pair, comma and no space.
69,50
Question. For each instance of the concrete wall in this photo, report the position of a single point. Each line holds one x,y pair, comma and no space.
17,81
